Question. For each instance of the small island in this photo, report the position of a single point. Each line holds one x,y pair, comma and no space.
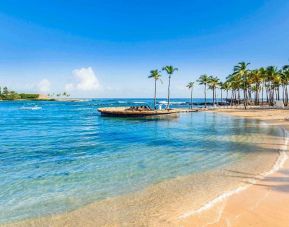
10,95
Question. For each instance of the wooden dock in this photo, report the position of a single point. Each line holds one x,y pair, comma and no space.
126,112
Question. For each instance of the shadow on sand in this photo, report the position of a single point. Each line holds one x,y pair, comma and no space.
274,183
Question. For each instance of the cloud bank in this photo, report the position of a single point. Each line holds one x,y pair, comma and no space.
86,80
44,86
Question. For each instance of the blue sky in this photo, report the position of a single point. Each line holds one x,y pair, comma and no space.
107,48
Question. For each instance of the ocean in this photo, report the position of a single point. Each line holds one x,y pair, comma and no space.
65,155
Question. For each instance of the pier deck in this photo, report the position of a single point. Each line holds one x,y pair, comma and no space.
126,112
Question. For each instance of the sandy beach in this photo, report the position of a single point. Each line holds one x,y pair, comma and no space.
264,202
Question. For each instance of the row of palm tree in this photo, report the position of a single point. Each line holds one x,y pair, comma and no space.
246,85
156,75
269,81
64,94
209,82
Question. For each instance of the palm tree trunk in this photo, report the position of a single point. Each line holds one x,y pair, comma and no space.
245,99
286,95
191,98
221,95
283,94
238,96
155,96
262,93
168,107
257,96
272,97
205,95
267,96
258,100
278,94
213,96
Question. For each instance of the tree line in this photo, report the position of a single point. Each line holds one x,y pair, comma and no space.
6,94
261,86
64,94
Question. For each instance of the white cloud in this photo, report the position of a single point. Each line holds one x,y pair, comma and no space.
68,87
86,80
44,86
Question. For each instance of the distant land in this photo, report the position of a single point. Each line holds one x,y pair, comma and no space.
10,95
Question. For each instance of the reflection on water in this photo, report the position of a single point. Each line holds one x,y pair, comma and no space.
66,155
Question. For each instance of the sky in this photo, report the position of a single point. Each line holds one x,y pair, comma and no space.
106,49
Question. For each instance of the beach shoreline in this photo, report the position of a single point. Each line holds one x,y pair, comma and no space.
165,211
261,203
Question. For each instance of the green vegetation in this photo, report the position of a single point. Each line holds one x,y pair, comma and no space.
29,96
6,94
246,85
261,86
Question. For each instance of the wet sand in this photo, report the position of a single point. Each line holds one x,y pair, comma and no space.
265,201
173,202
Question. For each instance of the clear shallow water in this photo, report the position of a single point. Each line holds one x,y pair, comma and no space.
66,155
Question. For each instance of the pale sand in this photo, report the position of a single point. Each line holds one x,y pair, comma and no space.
169,203
265,202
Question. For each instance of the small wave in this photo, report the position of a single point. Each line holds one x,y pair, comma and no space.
30,108
138,102
121,101
173,103
178,103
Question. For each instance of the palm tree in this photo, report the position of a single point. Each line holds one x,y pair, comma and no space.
273,76
285,82
226,86
223,86
204,80
156,75
242,71
262,73
170,70
256,79
213,84
190,86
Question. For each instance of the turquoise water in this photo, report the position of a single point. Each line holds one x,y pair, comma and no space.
66,155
